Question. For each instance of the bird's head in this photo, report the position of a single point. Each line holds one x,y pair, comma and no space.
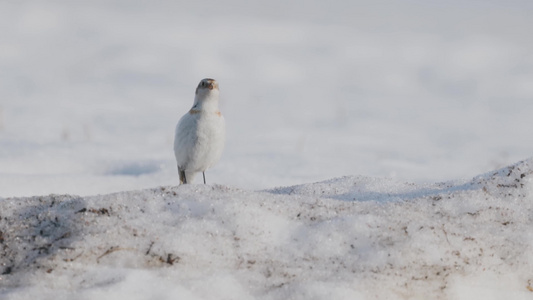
206,87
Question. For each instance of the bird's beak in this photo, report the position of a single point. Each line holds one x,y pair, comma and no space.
212,85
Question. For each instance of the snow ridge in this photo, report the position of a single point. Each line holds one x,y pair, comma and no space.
347,238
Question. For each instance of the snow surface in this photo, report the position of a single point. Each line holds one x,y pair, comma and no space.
345,238
416,91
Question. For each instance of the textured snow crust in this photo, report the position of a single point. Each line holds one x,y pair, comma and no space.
346,238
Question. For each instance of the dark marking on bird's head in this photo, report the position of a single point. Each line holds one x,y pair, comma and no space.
207,83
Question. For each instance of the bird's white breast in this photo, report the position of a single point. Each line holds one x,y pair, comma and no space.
199,141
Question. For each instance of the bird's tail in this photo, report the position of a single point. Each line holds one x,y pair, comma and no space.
183,179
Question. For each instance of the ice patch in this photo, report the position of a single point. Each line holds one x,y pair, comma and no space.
133,168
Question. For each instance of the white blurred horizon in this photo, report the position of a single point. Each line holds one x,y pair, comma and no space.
415,90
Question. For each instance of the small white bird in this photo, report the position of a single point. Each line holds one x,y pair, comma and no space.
200,133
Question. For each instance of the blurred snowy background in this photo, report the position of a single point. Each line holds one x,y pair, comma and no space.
416,90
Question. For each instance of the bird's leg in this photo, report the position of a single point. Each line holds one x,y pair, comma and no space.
184,178
203,173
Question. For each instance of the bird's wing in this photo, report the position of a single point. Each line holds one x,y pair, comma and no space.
185,138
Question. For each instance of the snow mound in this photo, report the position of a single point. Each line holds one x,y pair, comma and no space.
346,238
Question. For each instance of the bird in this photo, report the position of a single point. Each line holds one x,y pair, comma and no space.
200,134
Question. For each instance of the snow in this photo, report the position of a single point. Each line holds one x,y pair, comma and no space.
347,238
390,107
415,90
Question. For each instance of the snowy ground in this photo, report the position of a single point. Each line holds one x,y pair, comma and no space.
345,238
383,92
